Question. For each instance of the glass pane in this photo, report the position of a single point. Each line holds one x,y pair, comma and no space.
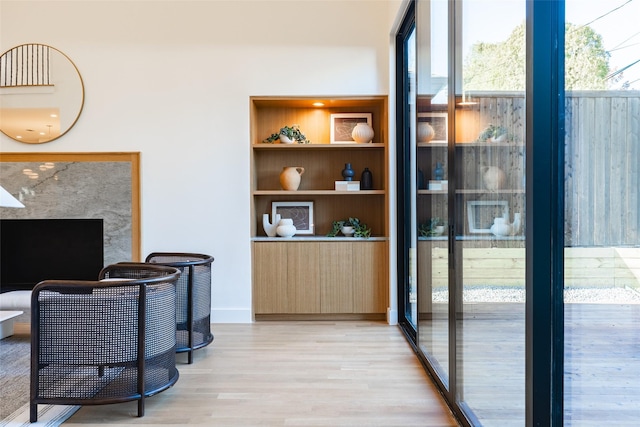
602,220
412,303
432,185
490,211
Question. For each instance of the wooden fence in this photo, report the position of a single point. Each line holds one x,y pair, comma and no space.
602,158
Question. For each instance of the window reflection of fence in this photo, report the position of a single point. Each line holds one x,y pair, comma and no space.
602,148
26,65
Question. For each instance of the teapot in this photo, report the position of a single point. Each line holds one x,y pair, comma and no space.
501,226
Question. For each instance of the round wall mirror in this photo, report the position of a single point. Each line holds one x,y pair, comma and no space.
41,93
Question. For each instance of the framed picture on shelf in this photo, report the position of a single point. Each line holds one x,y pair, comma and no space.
481,214
440,125
300,212
342,125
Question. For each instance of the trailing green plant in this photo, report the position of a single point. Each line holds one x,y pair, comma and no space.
359,229
292,132
429,229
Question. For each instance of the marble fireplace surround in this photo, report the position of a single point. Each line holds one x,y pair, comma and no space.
79,185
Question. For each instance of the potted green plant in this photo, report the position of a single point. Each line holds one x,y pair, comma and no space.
350,227
493,133
435,227
288,135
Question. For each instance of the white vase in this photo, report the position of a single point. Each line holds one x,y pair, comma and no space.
501,228
270,228
425,132
494,178
286,228
362,133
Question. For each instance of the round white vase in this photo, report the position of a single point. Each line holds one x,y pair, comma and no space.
362,133
286,228
425,132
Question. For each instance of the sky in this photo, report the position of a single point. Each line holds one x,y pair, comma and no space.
493,21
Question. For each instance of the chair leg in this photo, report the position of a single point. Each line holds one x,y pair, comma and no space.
33,412
141,407
190,357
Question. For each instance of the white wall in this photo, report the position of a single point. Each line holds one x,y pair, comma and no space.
172,80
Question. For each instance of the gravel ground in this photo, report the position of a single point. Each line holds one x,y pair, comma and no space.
571,295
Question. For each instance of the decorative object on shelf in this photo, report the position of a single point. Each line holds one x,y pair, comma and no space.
500,227
347,230
480,214
363,133
288,135
493,177
493,133
347,185
442,185
516,224
347,172
359,229
270,227
425,132
439,124
366,179
300,212
286,228
343,124
290,177
438,172
435,227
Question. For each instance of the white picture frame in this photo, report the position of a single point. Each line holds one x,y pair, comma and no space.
300,212
481,213
342,125
440,124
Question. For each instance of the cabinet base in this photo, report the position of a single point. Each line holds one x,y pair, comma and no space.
321,316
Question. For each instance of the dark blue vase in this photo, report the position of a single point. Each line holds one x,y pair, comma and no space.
438,172
347,172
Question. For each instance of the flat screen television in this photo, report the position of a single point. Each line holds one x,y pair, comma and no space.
33,250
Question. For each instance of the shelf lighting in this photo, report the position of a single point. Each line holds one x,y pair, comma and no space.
318,104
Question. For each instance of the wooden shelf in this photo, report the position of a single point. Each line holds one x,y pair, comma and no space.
319,193
316,274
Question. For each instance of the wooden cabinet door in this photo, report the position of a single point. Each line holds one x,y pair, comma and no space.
336,277
370,274
303,277
270,284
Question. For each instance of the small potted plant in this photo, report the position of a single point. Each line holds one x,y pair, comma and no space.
493,133
350,227
435,227
288,135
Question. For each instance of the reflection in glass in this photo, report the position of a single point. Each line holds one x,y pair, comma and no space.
432,185
602,224
41,93
490,201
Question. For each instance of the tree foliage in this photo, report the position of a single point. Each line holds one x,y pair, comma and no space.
501,66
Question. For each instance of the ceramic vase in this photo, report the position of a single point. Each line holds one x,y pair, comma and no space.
501,228
425,132
362,133
290,177
347,230
438,172
366,180
347,172
270,227
286,228
494,178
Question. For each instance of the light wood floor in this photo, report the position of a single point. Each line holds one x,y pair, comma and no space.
291,373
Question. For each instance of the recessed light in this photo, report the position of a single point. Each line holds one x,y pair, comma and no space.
318,104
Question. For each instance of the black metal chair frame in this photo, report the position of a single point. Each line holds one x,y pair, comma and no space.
123,294
187,263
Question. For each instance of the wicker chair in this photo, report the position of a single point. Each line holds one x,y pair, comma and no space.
94,343
193,307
